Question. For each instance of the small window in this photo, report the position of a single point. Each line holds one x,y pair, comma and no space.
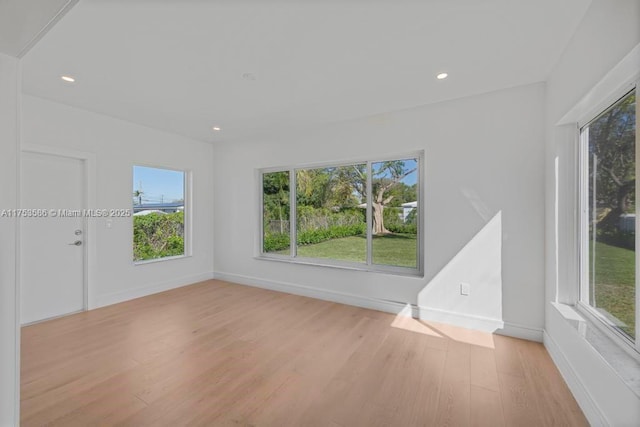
158,213
609,218
364,215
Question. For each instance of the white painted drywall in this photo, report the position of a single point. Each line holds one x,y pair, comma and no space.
608,32
484,189
117,146
9,70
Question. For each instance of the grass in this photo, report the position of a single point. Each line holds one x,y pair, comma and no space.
391,249
615,284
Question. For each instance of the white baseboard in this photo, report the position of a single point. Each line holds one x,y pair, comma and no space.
394,307
307,291
459,319
521,331
582,396
129,294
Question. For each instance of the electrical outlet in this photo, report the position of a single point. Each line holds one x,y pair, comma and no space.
464,289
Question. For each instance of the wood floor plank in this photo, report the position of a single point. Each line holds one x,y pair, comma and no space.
454,400
483,368
217,353
486,407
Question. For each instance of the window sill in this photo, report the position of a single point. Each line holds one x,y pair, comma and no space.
155,260
344,265
624,364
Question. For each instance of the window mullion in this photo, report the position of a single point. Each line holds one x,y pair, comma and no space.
293,221
369,214
584,216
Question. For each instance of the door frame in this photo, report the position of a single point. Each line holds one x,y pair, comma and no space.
89,202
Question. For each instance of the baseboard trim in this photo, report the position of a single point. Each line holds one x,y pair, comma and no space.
117,297
581,394
323,294
469,321
521,331
394,307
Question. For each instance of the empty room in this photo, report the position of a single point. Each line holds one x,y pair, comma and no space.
319,213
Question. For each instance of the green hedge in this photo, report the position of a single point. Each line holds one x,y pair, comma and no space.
402,228
310,237
158,236
276,241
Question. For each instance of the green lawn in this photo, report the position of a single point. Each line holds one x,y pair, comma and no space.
390,249
615,284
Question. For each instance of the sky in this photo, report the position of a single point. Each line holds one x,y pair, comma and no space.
158,185
409,164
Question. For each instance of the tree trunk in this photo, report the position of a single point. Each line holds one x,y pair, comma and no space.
611,221
378,219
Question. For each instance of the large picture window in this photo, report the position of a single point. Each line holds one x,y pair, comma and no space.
363,214
158,213
609,218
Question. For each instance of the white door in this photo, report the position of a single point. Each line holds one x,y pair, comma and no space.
52,236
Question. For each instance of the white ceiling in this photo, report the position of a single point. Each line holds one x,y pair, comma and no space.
24,22
179,65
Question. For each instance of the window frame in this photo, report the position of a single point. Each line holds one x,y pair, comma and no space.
368,265
583,304
187,187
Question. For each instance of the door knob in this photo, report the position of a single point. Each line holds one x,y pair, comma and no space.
76,243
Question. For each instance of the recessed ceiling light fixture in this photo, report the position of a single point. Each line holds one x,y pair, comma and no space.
216,128
442,76
68,79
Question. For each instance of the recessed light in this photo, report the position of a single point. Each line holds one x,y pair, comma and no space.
442,76
248,76
216,128
68,79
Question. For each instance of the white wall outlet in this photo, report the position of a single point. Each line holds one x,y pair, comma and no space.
464,289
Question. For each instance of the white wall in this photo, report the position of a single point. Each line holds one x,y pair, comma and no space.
117,146
9,69
484,207
609,30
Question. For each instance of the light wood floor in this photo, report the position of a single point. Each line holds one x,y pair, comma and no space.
216,353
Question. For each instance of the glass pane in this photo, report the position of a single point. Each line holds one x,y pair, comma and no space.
331,213
158,213
612,213
275,208
395,212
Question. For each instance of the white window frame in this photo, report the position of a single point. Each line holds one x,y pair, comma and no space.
583,305
188,213
368,265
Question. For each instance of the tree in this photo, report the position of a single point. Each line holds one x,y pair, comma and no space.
138,194
275,187
386,177
612,149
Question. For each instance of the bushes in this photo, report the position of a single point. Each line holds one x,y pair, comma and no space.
318,225
621,239
158,236
402,228
310,237
393,221
275,242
